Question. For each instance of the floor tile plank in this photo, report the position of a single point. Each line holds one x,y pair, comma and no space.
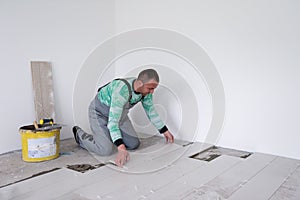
189,183
54,184
141,184
28,188
290,189
267,181
233,179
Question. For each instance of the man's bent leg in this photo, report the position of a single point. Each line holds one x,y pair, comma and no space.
100,142
129,135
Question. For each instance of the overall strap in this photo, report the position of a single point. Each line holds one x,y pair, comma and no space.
129,88
126,82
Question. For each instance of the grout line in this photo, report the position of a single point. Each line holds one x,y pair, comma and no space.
254,175
30,177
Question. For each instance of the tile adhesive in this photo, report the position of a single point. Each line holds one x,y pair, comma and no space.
40,144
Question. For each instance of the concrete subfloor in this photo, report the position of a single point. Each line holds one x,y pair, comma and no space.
156,171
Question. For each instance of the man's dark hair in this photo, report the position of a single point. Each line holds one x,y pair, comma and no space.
148,74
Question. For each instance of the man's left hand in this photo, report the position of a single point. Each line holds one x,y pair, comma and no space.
169,137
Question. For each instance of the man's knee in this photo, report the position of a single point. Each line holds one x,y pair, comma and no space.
134,144
107,151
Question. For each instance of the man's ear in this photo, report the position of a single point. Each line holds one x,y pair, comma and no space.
139,83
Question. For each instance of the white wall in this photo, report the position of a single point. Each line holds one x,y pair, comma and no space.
255,46
62,32
253,43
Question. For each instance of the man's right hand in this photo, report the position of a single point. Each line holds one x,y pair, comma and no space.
169,137
122,156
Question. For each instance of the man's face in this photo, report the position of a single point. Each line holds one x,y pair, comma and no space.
149,87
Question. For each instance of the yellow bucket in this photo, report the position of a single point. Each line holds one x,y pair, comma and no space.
39,145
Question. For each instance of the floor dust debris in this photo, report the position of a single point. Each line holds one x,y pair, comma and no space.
214,152
84,167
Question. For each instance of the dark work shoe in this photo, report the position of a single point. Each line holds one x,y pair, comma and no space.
75,128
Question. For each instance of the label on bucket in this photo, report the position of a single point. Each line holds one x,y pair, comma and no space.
41,147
